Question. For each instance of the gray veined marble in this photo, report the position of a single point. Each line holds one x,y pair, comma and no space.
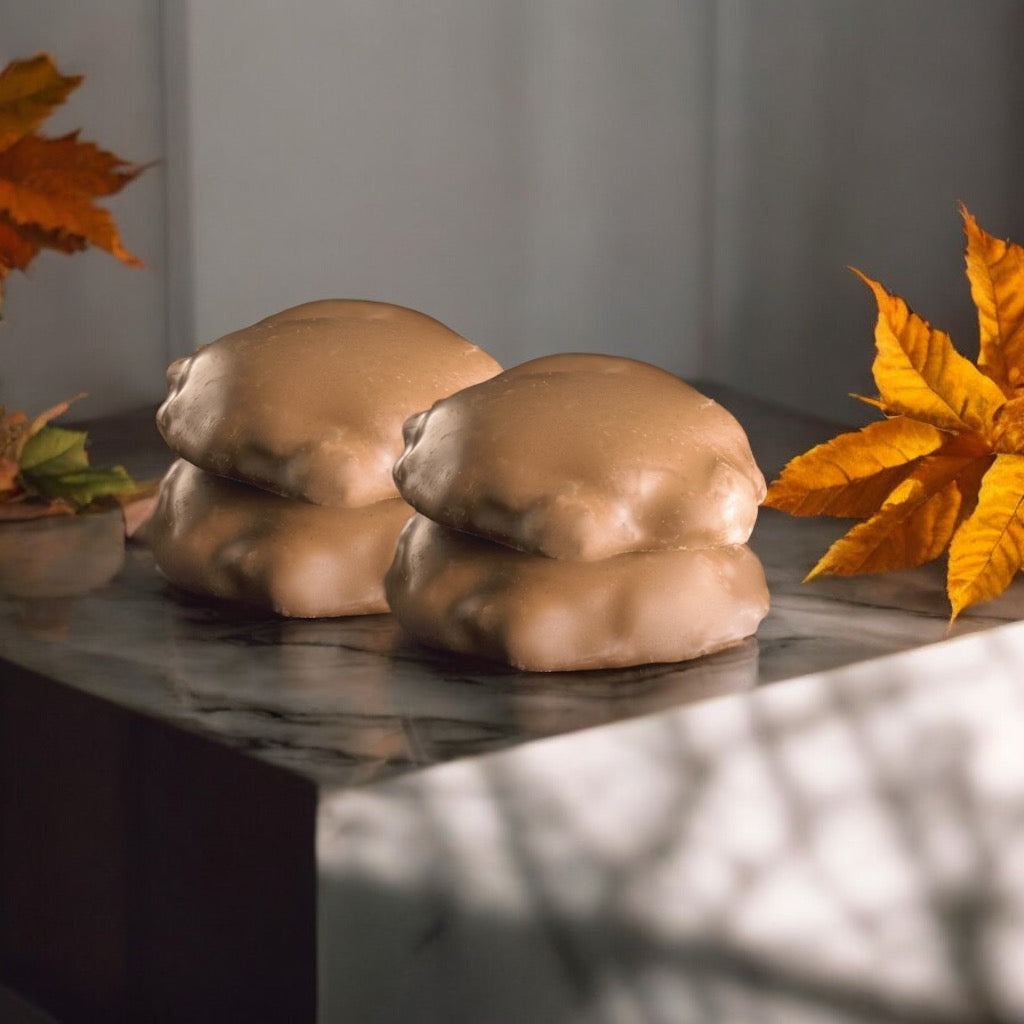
351,700
678,843
848,847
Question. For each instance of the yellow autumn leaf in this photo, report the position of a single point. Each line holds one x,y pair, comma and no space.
969,482
987,550
912,527
995,270
1008,427
915,494
919,374
854,473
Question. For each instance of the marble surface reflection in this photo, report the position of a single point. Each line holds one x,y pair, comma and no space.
341,701
846,848
347,701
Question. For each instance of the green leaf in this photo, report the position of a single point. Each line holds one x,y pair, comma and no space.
53,451
84,486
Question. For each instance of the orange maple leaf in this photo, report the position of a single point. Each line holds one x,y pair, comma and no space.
946,466
48,186
29,91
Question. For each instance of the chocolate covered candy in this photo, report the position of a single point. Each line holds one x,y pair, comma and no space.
582,457
461,593
229,540
310,402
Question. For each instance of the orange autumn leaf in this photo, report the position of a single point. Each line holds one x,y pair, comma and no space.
17,249
1008,426
919,374
988,549
946,467
854,473
905,533
913,525
29,90
995,270
49,186
65,166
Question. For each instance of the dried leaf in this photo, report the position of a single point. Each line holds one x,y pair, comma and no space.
29,91
17,249
47,186
44,470
920,374
913,526
988,549
1008,427
854,473
969,483
40,421
875,403
66,165
995,270
900,535
947,467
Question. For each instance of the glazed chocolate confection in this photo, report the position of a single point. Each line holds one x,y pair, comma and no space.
229,540
461,593
310,402
582,457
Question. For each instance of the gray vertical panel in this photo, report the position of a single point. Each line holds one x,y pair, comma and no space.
846,132
534,174
176,98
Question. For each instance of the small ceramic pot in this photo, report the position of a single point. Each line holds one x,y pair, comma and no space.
60,556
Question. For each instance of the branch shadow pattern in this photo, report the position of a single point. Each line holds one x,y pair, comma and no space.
811,853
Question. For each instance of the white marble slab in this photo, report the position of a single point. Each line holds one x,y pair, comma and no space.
678,843
846,847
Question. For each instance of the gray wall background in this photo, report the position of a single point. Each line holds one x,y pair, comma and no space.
685,182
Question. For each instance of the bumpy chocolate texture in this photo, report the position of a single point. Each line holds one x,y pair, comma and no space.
458,592
583,457
310,402
229,540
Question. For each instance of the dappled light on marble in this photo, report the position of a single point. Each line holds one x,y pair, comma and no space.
814,853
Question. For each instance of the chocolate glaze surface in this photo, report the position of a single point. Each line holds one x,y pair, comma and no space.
310,402
581,457
229,540
462,593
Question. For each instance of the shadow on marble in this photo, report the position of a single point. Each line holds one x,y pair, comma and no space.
843,852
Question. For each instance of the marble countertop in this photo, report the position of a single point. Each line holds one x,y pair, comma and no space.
823,824
348,701
845,848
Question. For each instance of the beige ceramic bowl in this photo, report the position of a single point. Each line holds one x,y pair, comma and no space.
61,556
